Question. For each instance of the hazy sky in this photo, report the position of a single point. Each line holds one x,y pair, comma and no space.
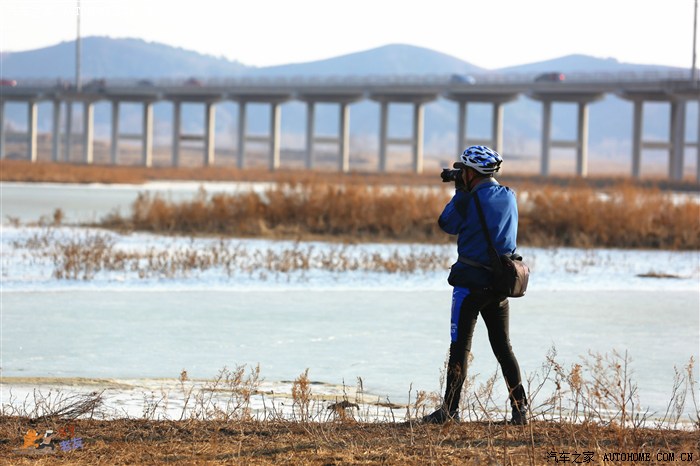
487,33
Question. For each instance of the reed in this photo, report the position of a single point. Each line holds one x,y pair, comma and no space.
85,254
584,414
621,216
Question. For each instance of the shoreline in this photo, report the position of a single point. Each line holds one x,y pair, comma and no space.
344,440
44,171
172,399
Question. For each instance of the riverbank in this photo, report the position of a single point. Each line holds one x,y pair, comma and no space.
586,420
349,442
624,217
49,172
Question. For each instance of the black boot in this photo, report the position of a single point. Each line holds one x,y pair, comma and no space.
441,416
519,413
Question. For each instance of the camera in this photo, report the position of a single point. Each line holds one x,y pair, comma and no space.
449,174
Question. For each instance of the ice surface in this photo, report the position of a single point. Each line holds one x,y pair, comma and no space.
390,329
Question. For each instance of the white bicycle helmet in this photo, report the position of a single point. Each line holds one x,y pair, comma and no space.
482,159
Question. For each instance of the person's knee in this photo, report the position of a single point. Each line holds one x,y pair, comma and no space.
503,353
458,357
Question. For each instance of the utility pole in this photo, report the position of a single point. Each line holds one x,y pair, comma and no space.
69,103
77,52
694,69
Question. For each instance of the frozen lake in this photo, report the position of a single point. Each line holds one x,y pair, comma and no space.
391,338
390,329
28,202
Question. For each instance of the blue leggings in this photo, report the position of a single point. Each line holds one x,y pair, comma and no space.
466,307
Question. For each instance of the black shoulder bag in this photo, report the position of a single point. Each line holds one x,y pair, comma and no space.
509,273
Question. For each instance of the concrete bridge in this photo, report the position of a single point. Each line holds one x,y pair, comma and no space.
581,89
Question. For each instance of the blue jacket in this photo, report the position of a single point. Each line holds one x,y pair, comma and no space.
461,218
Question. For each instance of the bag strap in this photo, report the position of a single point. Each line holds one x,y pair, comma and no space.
466,260
493,254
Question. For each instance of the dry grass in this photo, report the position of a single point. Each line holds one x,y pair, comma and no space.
298,211
85,254
279,442
624,217
44,171
592,411
621,216
23,171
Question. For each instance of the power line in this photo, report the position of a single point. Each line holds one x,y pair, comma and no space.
694,70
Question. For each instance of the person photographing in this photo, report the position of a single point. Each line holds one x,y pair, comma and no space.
479,207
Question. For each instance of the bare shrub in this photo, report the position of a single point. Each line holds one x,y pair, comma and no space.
85,254
621,215
301,396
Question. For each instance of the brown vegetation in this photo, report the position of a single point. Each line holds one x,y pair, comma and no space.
45,171
593,413
345,442
622,216
389,207
293,211
83,255
23,171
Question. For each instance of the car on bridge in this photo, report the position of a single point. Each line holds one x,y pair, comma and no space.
8,82
462,79
550,77
194,82
95,85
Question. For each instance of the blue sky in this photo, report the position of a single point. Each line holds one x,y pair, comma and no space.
487,33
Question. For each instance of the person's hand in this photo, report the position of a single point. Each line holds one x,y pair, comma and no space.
461,180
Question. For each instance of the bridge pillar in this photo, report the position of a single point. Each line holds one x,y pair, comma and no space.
383,131
497,126
342,140
177,117
496,140
582,99
275,119
582,140
344,137
272,139
210,132
55,130
677,136
242,129
461,126
676,144
418,116
114,146
415,97
2,129
697,148
466,95
147,135
69,131
31,131
310,121
546,136
88,131
416,139
637,130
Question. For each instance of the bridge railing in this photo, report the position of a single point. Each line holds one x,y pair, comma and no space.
297,81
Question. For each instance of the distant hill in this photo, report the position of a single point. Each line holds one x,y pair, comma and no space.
389,59
102,57
105,57
582,64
